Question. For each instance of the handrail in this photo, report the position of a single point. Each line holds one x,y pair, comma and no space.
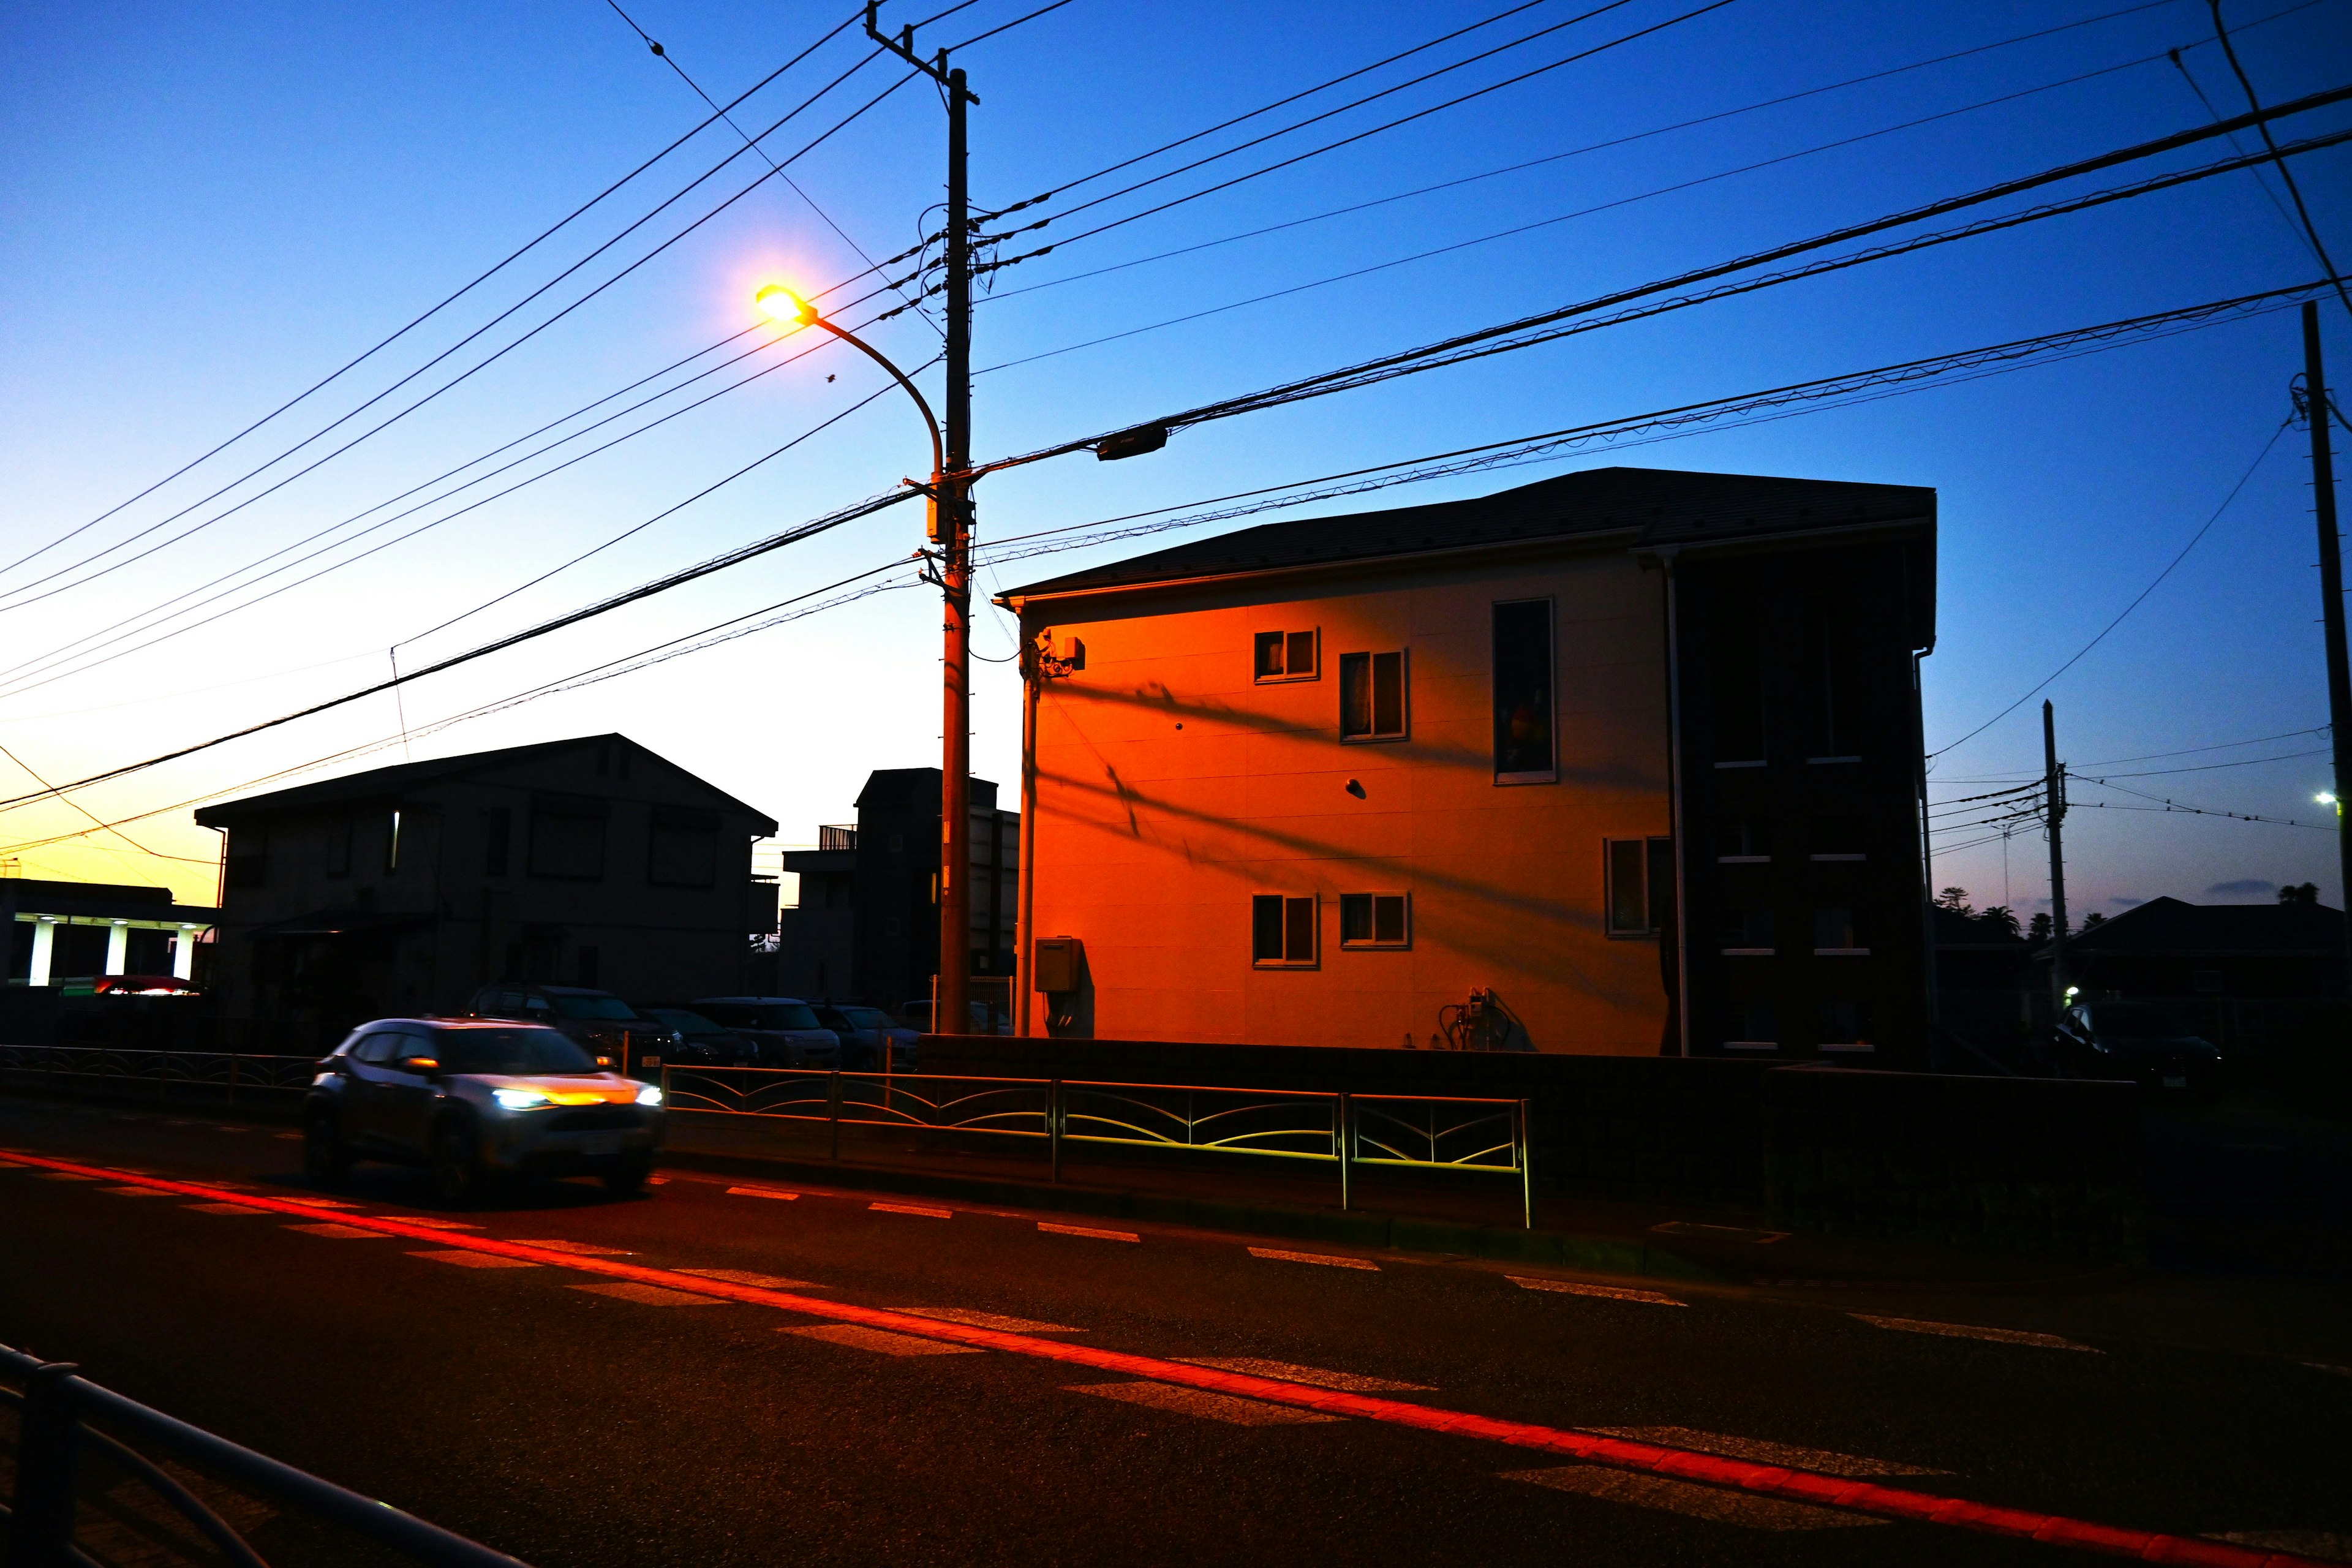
54,1405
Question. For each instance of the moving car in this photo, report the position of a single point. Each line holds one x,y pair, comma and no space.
476,1102
2146,1042
785,1029
862,1032
693,1040
597,1021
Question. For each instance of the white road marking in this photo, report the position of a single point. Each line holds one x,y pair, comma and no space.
647,1295
581,1248
63,1176
655,1181
1052,1229
745,1277
987,1320
1607,1292
339,1232
2323,1366
1177,1400
1327,1261
1720,1232
912,1208
1971,1332
2327,1545
476,1260
291,1137
309,1202
1313,1376
231,1129
138,1192
1688,1498
222,1208
14,1164
1827,1462
865,1338
762,1193
438,1224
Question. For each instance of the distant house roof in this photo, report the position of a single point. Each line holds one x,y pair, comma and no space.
2171,928
407,778
105,900
1658,506
915,787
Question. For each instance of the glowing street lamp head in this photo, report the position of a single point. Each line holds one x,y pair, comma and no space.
785,307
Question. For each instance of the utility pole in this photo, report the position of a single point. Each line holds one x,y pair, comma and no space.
951,535
2331,588
2054,809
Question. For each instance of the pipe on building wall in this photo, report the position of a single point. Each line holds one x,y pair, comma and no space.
1024,931
1677,825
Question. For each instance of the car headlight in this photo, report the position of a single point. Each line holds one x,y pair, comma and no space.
650,1095
518,1098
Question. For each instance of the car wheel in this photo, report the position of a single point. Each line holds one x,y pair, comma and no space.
625,1177
326,1158
458,1176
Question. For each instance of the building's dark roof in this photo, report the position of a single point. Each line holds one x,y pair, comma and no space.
106,901
916,787
1661,506
2171,928
407,778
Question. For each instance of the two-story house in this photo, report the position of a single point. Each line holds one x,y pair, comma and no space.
402,890
1619,761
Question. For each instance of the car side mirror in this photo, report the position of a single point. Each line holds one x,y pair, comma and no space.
425,1066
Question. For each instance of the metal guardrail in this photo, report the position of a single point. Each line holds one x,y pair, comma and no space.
1410,1131
55,1410
219,1075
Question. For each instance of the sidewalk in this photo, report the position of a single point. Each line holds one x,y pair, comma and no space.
1463,1213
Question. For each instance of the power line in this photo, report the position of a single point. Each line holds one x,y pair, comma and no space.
2209,767
2175,805
434,310
2310,229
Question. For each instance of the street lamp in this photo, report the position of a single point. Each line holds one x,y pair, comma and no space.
947,529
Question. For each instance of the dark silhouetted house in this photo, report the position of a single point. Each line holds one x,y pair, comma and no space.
1988,989
1558,756
2246,974
402,890
60,932
868,925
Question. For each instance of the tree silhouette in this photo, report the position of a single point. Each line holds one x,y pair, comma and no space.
1955,900
2307,894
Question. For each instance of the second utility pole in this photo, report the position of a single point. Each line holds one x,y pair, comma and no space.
2054,809
2331,579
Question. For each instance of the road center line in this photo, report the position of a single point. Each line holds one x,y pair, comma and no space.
1050,1229
1618,1453
1327,1259
1971,1332
1607,1292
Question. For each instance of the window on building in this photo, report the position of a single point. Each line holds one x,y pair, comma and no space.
1282,930
1286,656
1833,663
1524,749
682,848
392,842
1836,929
567,838
1744,838
248,857
1839,837
1375,920
1738,682
1846,1026
1746,930
1640,893
498,839
339,847
1753,1026
1372,696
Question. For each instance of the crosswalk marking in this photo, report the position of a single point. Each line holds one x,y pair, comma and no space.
135,1192
1688,1498
1050,1229
475,1260
987,1320
745,1277
646,1295
1826,1461
1313,1376
311,1202
224,1208
440,1224
63,1176
762,1193
1181,1401
1325,1259
1971,1332
581,1248
859,1337
1607,1292
912,1208
339,1232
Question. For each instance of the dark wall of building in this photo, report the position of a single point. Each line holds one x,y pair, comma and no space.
1801,758
893,886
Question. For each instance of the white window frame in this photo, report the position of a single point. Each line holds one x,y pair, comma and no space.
1372,670
1374,943
1288,676
1315,929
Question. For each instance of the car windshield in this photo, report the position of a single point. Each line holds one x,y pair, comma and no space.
610,1007
509,1051
788,1016
2140,1021
865,1018
684,1022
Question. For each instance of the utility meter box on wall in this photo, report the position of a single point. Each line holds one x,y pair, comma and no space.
1056,962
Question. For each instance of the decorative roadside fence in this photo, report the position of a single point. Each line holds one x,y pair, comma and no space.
207,1078
1423,1133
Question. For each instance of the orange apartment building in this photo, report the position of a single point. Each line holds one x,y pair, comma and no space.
1444,775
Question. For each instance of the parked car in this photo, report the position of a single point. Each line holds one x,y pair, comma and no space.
475,1100
597,1021
2146,1042
985,1020
696,1041
785,1029
862,1032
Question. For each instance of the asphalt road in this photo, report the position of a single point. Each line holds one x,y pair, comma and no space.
570,1418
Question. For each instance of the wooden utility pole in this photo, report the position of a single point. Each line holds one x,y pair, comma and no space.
2331,589
2054,810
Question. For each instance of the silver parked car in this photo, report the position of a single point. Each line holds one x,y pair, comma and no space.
785,1029
863,1030
475,1101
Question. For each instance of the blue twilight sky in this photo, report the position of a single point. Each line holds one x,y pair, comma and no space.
205,209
